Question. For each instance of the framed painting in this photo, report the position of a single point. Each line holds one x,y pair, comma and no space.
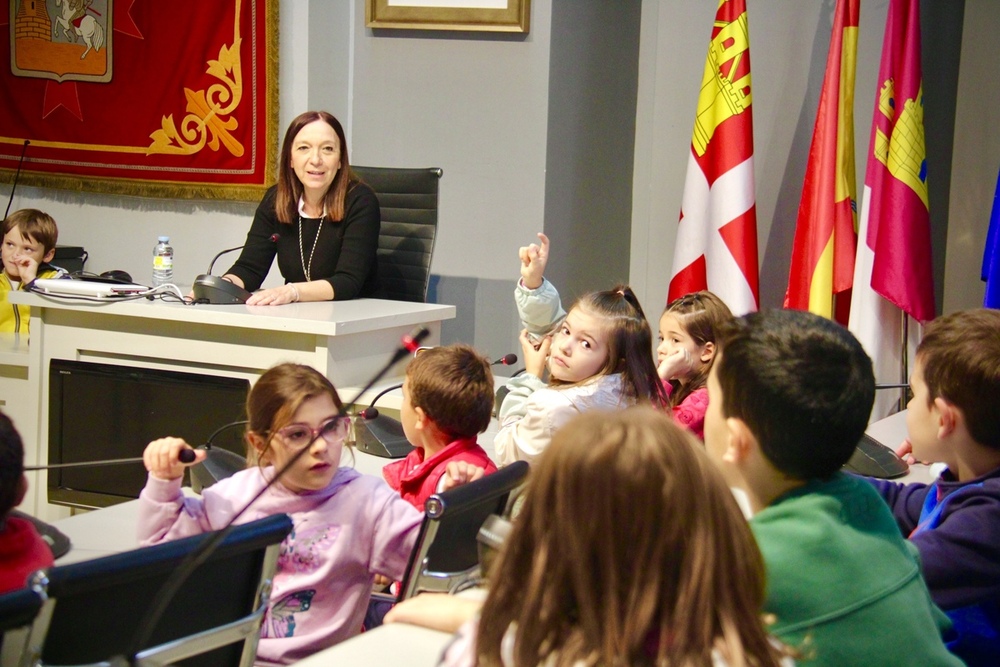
482,15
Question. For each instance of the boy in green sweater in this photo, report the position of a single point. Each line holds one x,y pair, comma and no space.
789,398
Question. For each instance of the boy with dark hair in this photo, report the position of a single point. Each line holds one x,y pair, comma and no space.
448,398
954,417
22,550
29,243
789,398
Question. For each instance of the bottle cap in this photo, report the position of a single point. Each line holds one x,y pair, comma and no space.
163,239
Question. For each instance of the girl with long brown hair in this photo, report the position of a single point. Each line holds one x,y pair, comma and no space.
629,550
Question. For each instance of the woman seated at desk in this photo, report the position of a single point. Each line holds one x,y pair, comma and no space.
319,219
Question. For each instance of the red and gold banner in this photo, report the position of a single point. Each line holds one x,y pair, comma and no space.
137,97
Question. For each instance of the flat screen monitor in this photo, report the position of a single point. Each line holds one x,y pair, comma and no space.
103,411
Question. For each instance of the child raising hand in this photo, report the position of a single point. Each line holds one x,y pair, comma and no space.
597,358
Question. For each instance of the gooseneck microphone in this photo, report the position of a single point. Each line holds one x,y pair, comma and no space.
185,455
506,360
17,174
217,290
205,549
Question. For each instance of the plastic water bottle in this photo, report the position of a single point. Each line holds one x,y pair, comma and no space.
163,262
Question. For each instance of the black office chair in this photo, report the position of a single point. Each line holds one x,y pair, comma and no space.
408,200
94,609
446,554
18,610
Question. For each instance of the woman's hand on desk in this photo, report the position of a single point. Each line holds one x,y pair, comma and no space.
316,290
274,296
162,458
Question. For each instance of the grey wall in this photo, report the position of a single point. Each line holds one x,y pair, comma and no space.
539,132
977,156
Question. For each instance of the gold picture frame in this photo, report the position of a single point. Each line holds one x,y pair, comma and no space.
444,15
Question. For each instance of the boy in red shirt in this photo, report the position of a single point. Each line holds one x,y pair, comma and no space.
448,398
22,550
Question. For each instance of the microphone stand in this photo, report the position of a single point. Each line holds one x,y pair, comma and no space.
17,175
197,557
185,456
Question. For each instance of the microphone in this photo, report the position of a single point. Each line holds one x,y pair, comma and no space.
506,360
17,174
185,455
217,290
207,547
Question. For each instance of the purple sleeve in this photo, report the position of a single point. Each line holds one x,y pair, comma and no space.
165,514
904,500
960,556
394,534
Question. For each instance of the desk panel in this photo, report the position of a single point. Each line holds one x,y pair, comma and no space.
348,341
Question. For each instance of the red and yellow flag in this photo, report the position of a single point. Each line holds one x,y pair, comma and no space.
822,268
716,245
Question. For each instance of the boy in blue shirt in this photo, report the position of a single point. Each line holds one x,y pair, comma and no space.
789,398
954,417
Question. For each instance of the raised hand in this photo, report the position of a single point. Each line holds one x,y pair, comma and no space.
534,257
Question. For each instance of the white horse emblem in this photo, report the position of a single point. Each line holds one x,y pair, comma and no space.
76,21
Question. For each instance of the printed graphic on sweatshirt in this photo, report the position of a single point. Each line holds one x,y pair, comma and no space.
280,621
302,551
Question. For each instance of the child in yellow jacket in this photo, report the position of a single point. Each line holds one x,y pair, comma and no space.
29,243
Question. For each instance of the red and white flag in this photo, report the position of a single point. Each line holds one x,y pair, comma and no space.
822,267
716,246
892,274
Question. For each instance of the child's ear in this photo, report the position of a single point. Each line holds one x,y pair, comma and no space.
258,444
707,352
422,419
740,442
49,255
949,417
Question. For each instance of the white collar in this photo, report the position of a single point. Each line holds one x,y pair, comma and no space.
302,208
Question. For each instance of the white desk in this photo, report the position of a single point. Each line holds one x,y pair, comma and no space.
346,340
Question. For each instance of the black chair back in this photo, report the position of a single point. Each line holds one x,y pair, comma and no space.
95,608
18,610
446,553
408,201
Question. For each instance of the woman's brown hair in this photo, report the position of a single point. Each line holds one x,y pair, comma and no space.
290,188
276,397
629,550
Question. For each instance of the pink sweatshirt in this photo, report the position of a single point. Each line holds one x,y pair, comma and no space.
341,537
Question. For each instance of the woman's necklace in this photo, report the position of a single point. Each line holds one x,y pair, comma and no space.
307,268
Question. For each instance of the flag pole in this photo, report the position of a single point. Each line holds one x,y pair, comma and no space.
904,361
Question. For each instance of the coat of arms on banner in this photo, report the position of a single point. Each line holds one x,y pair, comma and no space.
63,40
